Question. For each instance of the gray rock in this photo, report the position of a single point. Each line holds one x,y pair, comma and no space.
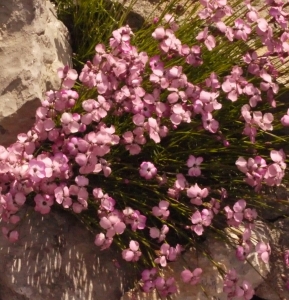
273,288
33,44
55,258
211,286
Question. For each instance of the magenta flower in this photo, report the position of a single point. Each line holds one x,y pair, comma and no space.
106,205
134,218
227,30
70,125
192,277
112,224
68,76
197,194
263,121
242,30
162,210
102,241
147,170
43,203
160,234
157,65
276,171
165,287
132,253
235,216
264,251
153,129
285,119
148,277
12,236
81,181
209,40
209,123
168,253
245,290
36,170
159,33
62,196
194,164
179,114
215,206
242,251
201,219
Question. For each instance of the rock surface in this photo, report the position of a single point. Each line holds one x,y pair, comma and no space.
55,258
33,44
273,288
212,283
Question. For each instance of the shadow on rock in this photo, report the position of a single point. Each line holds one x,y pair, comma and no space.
55,258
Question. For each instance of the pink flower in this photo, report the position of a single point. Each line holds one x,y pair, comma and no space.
105,167
242,251
168,253
36,170
227,30
234,83
159,33
102,241
160,234
201,219
264,122
68,76
193,163
132,254
154,129
62,196
148,277
81,180
112,224
179,114
12,236
165,287
181,182
209,123
197,194
192,277
264,251
43,203
157,65
235,216
285,119
215,206
147,170
162,210
149,274
134,218
209,40
70,125
242,29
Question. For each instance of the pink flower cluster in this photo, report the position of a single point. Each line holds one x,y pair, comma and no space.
258,172
73,140
235,287
151,280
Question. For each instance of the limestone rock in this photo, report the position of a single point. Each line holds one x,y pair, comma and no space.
55,258
273,288
33,44
254,271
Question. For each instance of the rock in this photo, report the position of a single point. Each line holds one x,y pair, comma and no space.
33,44
273,288
55,258
212,282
